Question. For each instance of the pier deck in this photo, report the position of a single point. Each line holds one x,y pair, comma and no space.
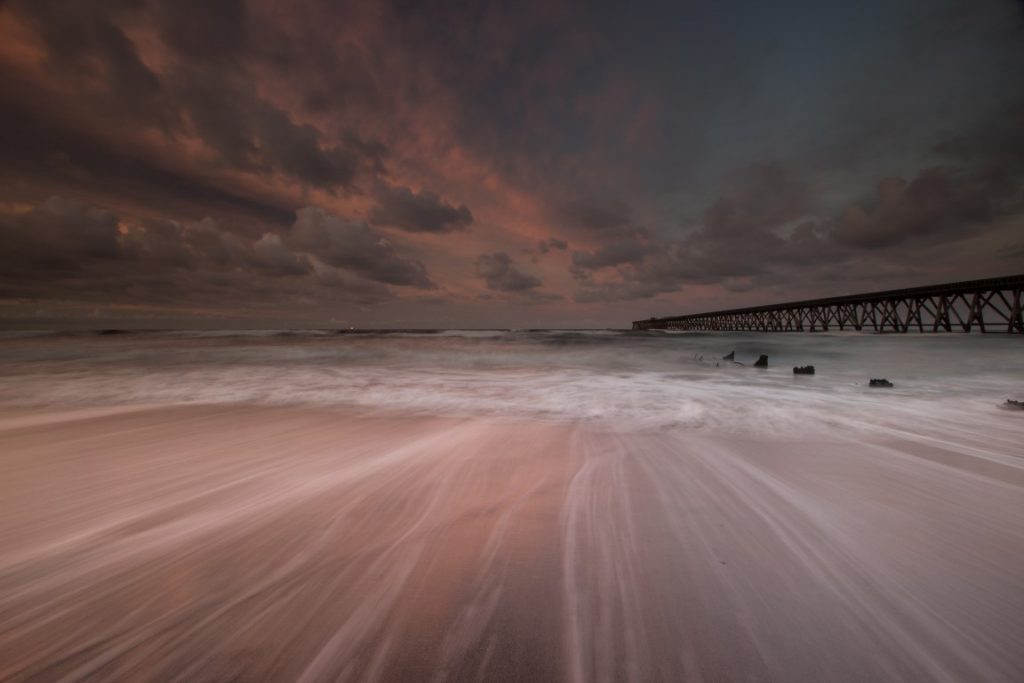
989,305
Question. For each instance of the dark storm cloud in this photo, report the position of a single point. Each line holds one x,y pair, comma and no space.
745,233
219,111
272,256
295,149
234,118
64,235
59,235
252,134
738,237
544,246
64,250
759,230
597,215
748,230
611,254
501,274
204,31
158,243
937,201
610,292
996,146
207,90
422,211
758,199
980,181
355,246
84,42
759,146
44,146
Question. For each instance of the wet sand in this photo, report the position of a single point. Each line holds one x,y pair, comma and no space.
240,543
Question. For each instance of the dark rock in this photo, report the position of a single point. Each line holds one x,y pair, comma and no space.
729,356
880,383
804,370
1014,405
762,362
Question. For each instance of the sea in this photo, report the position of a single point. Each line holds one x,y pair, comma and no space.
944,385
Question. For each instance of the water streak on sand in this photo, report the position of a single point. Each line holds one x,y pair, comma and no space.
858,536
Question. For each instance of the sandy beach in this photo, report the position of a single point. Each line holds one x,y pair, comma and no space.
211,543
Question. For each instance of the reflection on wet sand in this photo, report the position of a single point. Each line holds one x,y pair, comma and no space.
240,543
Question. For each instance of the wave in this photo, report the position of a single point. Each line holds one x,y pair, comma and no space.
645,381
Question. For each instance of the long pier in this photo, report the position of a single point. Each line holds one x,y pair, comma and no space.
990,305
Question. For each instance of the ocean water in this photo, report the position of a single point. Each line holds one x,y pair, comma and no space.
946,386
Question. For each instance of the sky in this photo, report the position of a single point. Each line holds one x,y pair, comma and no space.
314,163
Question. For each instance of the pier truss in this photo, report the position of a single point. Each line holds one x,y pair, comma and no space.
991,305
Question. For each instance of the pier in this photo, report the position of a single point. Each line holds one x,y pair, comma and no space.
989,305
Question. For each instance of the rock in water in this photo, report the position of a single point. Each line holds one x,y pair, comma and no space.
1014,405
804,370
762,362
880,383
729,356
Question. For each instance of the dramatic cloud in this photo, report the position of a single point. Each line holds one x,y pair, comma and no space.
757,200
544,246
60,234
159,243
252,134
86,45
500,273
611,254
64,251
942,203
205,31
626,290
355,246
597,215
310,158
423,211
760,231
271,255
746,233
206,94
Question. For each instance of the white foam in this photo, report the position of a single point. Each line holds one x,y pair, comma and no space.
946,385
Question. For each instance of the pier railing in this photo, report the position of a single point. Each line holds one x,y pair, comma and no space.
990,305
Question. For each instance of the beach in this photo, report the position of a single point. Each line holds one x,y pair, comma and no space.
228,538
